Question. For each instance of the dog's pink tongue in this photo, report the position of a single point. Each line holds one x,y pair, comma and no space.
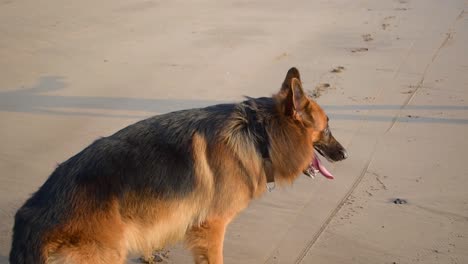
318,165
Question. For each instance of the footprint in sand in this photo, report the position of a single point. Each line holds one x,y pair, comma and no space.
282,56
337,69
386,22
367,37
354,50
402,8
320,89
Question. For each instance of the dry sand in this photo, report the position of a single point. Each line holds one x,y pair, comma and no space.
71,71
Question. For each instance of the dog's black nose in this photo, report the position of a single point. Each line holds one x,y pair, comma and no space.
344,154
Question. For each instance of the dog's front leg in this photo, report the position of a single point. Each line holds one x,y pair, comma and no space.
206,241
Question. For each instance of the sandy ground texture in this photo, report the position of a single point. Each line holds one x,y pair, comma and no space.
393,76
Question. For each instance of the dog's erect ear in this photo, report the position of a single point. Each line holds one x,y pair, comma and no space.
295,100
292,73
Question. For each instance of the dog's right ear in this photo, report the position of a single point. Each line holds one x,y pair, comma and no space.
292,73
292,96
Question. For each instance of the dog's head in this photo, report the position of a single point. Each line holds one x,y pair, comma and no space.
307,113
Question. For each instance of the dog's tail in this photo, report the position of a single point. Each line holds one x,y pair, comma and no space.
28,245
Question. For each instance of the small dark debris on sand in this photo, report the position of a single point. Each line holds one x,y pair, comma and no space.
412,116
337,69
367,37
385,26
354,50
400,201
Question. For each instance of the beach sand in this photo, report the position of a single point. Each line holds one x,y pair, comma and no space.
392,76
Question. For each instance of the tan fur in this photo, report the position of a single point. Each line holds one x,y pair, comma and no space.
99,235
206,241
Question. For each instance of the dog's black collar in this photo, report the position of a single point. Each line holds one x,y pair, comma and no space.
257,127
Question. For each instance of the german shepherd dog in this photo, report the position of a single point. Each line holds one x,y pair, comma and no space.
178,176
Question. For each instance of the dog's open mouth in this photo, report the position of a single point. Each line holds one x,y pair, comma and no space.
316,167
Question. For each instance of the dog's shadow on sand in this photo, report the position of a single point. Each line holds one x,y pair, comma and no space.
3,259
36,100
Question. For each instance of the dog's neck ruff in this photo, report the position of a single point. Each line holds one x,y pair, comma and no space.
257,127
